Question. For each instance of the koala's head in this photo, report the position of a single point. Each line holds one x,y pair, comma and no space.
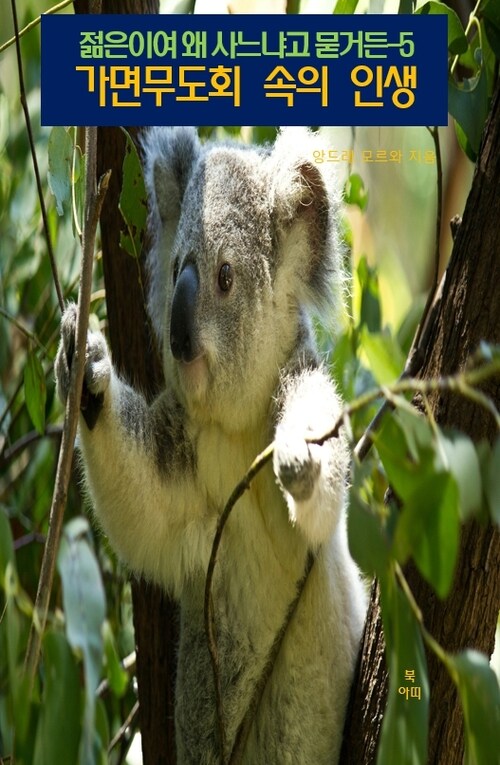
244,245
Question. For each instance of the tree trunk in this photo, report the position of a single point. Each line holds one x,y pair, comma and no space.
469,312
135,357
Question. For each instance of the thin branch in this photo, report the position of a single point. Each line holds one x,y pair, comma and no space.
34,23
24,330
121,732
54,431
93,205
24,104
429,640
439,206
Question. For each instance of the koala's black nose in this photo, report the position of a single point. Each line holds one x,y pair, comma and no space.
183,336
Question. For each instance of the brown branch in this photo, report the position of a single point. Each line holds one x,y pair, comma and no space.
93,203
24,104
54,431
121,732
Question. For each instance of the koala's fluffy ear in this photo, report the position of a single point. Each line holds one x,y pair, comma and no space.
305,200
169,155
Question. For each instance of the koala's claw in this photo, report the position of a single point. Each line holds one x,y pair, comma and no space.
295,467
97,367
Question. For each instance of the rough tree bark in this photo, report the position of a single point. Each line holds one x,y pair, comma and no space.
135,356
469,312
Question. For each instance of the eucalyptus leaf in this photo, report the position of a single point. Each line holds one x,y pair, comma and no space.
457,41
61,701
480,698
35,391
84,606
355,192
428,529
459,457
403,738
385,357
60,154
7,557
368,541
370,311
117,676
345,6
132,203
468,104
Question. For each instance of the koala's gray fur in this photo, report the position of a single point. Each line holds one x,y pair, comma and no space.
244,249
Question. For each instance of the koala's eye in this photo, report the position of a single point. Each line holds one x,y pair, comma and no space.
225,277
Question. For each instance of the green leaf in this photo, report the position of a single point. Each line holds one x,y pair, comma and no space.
354,191
490,9
84,606
117,676
7,557
370,313
132,204
385,357
405,7
60,702
35,391
405,446
492,483
457,41
480,697
404,730
468,104
345,6
459,457
428,529
368,541
78,179
493,34
60,151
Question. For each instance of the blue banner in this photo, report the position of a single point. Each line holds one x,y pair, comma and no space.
244,70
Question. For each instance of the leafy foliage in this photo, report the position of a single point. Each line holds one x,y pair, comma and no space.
439,479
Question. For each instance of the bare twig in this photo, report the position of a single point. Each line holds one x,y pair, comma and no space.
24,330
93,203
54,431
24,104
121,732
34,23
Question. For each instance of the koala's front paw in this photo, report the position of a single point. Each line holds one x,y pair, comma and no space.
295,465
97,367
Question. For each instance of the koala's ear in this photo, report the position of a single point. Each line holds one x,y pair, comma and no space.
305,201
169,156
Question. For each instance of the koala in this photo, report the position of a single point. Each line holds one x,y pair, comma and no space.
245,252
